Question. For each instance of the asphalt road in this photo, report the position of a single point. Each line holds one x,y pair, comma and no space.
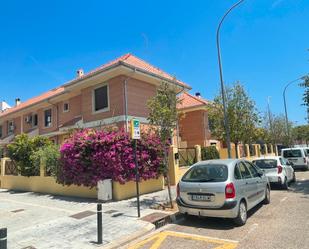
284,223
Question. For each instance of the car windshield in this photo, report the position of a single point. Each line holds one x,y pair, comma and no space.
266,163
292,153
206,173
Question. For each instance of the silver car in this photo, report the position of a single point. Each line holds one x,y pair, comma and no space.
222,188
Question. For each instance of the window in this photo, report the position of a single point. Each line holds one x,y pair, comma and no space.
292,153
66,107
266,163
245,173
237,174
252,169
35,120
10,127
48,118
207,173
100,99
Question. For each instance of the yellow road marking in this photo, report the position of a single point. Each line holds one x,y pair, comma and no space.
160,237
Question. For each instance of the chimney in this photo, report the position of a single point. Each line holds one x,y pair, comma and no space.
79,73
17,102
198,94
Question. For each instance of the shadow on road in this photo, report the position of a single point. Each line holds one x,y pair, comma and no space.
300,186
213,223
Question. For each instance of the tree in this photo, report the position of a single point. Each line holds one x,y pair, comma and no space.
163,115
276,132
242,115
22,152
301,134
305,84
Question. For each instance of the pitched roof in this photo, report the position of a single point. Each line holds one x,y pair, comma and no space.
44,96
133,61
188,101
127,59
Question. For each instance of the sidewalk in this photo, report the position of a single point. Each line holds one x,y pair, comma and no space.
45,221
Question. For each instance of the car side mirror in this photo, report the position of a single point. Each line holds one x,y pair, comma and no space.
260,174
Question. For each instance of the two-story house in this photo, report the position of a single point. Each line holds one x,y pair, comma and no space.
193,123
110,95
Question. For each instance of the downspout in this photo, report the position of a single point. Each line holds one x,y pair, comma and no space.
177,123
57,118
126,104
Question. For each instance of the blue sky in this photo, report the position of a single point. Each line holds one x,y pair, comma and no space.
264,44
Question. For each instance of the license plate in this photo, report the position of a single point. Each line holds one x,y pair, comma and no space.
201,198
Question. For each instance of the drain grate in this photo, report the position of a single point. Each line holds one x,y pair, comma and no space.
116,215
158,219
110,211
82,215
18,210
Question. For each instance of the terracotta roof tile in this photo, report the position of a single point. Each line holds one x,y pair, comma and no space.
128,59
140,64
188,101
34,100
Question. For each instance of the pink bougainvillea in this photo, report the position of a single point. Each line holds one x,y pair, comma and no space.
92,155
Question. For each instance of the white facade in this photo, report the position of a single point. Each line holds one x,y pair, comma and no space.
4,106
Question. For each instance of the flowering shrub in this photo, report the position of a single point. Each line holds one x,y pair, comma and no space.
89,156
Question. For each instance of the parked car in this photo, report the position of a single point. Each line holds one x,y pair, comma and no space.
277,169
298,156
222,188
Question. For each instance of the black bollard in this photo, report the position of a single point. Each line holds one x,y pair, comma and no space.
99,219
3,238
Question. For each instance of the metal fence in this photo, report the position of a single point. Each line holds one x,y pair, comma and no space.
187,156
10,168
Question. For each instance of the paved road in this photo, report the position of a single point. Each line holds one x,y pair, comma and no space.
282,224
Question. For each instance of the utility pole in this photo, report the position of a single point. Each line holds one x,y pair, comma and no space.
226,120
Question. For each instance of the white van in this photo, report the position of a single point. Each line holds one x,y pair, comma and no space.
298,156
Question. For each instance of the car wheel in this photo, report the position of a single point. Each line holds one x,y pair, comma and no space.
241,218
285,185
267,196
294,177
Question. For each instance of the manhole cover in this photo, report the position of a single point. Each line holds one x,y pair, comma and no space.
82,215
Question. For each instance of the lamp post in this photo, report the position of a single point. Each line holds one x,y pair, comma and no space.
285,108
226,121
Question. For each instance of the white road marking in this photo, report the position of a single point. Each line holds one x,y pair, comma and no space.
41,206
283,199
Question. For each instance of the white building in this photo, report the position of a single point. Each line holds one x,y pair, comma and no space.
4,106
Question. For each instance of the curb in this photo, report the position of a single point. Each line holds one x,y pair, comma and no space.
127,239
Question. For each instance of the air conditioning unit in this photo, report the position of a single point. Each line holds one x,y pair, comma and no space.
105,190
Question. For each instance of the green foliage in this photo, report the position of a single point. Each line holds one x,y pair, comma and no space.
49,155
305,84
21,151
301,134
275,129
163,111
242,115
210,152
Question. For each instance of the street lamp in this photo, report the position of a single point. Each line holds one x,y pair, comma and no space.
226,121
285,108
